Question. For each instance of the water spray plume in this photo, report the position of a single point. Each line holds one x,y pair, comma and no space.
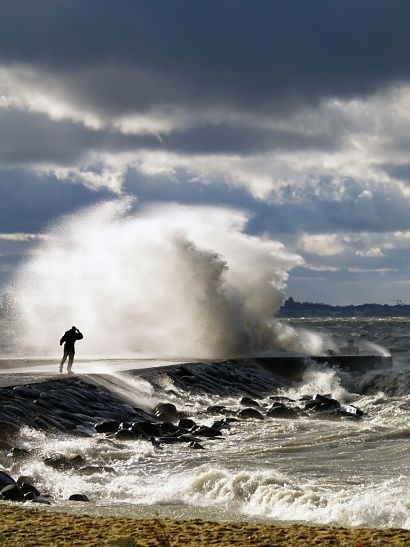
164,281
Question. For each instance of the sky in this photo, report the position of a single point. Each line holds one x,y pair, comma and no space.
296,112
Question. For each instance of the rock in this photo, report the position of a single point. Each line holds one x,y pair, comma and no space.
146,429
224,423
351,411
81,431
107,426
168,427
126,434
4,445
166,412
323,405
216,409
28,488
281,398
186,423
196,445
205,431
250,413
78,497
279,410
247,401
12,492
8,430
6,479
41,499
27,391
59,461
17,453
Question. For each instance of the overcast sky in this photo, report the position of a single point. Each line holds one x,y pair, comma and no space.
296,111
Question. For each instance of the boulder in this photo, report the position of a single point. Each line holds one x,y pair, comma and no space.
247,401
107,426
250,413
12,492
78,497
186,423
166,412
281,411
6,479
205,431
61,462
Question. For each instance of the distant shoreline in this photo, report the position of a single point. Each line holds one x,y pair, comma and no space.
292,308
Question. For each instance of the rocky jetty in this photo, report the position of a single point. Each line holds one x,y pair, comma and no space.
76,406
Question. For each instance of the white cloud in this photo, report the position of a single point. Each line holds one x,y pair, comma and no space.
21,236
323,244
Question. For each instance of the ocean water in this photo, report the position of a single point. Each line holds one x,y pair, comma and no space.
345,472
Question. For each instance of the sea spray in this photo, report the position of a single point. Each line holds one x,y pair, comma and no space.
164,280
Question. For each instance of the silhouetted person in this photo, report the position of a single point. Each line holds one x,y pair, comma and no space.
69,339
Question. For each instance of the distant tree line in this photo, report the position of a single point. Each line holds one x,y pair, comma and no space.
291,308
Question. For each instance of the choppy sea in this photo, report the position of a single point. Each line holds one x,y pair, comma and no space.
311,470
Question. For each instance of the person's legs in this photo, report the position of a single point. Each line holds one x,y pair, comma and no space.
70,362
65,355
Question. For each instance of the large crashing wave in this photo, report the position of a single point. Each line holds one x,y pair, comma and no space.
167,281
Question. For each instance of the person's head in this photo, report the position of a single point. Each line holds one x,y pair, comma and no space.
73,328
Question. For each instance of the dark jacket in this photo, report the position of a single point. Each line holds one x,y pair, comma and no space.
69,339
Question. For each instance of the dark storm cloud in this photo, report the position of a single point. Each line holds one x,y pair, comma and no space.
140,53
30,138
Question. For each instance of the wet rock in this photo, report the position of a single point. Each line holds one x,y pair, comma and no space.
63,463
8,430
281,399
166,412
351,411
216,409
186,423
78,497
107,426
18,453
279,410
196,445
205,431
126,435
322,404
6,480
12,492
27,391
247,401
168,427
41,499
82,431
250,413
146,429
4,445
29,491
224,423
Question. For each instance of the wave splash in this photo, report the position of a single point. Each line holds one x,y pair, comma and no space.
157,281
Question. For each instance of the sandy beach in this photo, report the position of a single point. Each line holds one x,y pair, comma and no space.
35,527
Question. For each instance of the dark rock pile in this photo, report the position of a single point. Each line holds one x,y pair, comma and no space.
22,489
76,407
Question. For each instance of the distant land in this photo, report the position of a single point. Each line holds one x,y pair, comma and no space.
291,308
